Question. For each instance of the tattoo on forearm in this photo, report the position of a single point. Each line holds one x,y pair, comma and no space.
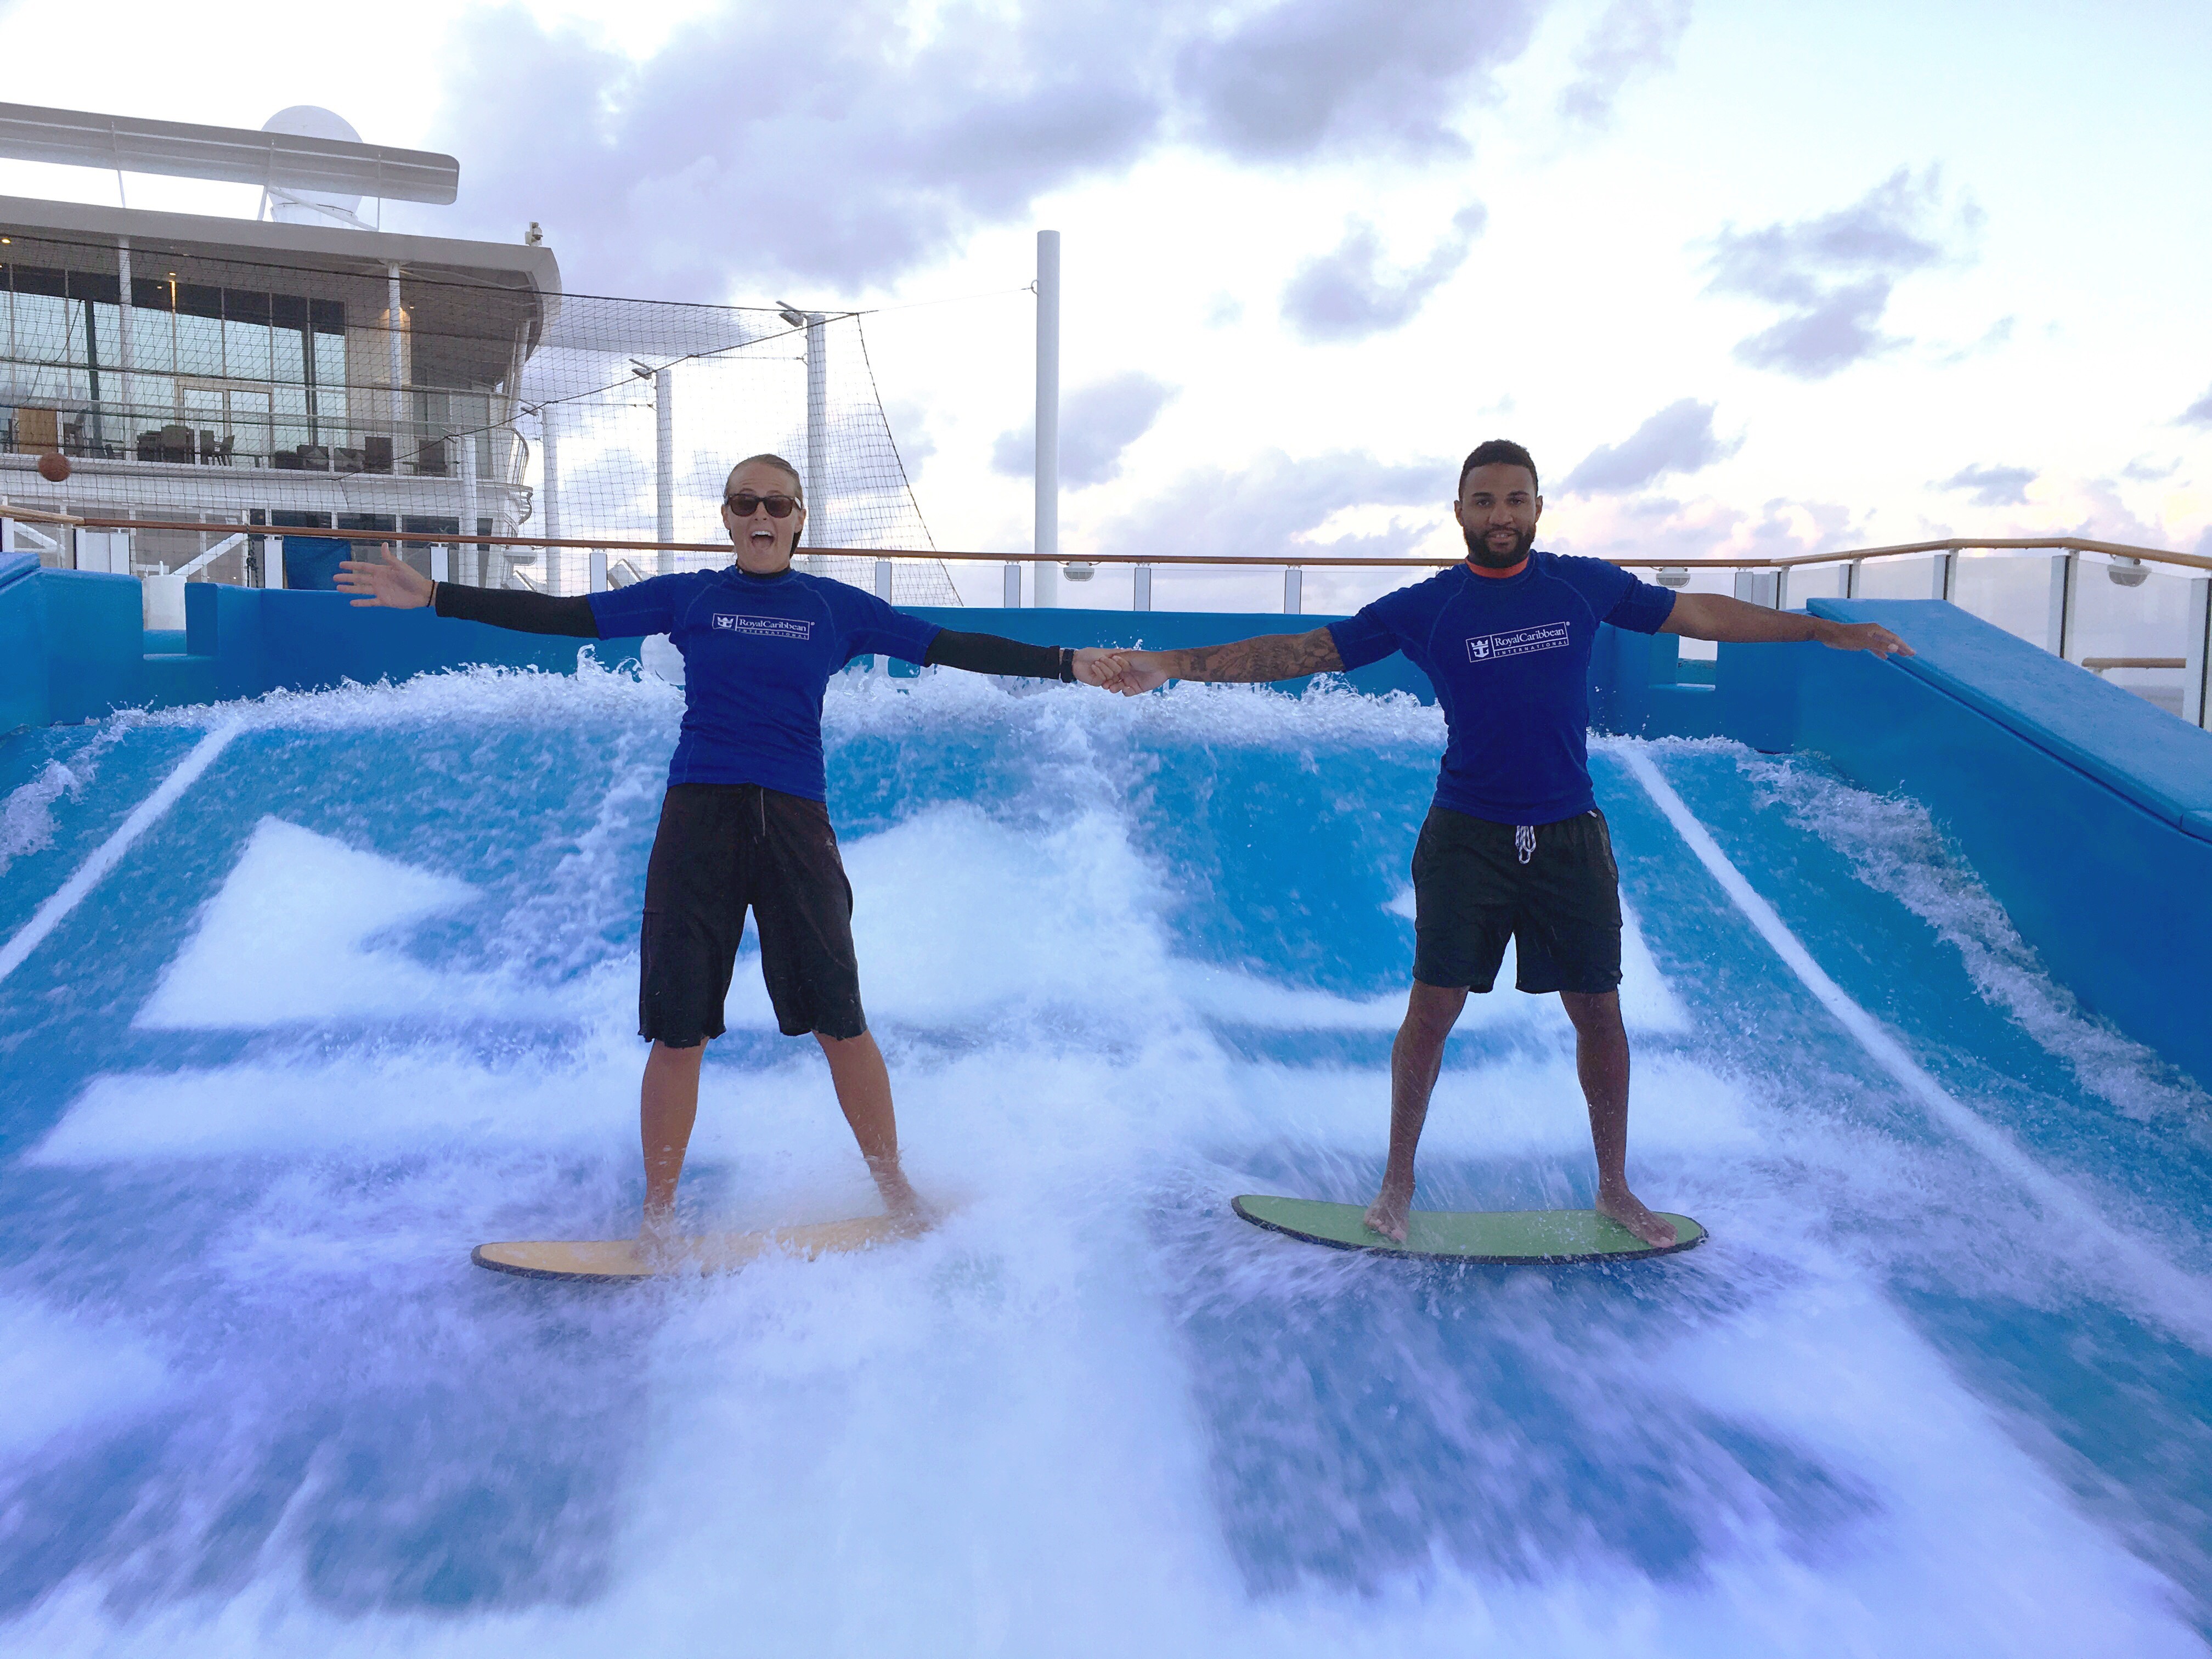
1270,657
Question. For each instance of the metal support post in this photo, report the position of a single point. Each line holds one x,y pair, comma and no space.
664,464
2196,677
883,581
1140,592
1044,587
471,551
398,362
599,568
1848,588
1047,400
107,550
441,562
1011,596
1757,587
549,492
272,562
1943,579
125,347
1782,589
548,514
2065,576
1293,590
818,432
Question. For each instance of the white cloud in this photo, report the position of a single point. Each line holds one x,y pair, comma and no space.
1347,295
1678,438
1833,274
1992,486
888,136
1096,423
1258,511
1633,38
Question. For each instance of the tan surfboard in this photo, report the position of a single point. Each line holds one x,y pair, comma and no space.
606,1259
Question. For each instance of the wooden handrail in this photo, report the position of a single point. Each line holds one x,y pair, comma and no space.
35,515
454,538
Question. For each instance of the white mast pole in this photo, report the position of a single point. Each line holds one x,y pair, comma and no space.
398,360
1046,586
471,549
817,435
129,417
663,458
548,514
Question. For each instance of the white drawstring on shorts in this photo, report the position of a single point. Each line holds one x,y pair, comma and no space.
1524,841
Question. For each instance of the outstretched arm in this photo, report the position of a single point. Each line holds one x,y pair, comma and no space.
1717,616
987,653
397,586
1269,656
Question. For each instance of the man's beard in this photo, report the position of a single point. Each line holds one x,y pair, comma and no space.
1478,548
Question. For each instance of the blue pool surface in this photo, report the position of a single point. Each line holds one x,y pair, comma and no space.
364,996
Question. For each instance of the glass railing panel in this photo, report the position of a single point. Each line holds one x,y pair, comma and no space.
1701,581
1911,577
2011,591
2141,623
1328,591
1214,587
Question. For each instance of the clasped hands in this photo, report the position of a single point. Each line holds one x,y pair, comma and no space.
1112,668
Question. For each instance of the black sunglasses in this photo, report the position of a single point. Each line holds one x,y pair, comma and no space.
745,503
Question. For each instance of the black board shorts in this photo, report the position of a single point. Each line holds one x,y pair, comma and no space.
1551,888
721,848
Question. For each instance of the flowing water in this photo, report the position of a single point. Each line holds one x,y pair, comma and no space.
362,995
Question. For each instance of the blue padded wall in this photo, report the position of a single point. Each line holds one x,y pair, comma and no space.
2084,809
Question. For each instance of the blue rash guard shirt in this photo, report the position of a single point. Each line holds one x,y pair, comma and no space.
758,652
1510,658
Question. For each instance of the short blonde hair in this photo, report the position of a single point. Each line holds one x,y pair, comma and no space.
797,488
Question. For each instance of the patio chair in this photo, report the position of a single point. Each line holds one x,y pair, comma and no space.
37,432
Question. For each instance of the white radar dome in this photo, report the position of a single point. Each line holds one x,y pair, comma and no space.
296,208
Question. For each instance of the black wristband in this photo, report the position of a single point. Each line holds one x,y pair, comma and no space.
1067,665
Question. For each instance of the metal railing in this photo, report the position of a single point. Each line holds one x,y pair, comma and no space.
1773,582
146,435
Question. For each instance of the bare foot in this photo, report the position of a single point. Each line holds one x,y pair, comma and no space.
1387,1214
1632,1213
910,1214
657,1240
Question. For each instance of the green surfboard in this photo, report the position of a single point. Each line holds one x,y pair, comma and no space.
1533,1237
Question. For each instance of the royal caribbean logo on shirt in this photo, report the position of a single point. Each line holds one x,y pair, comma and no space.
766,627
1547,637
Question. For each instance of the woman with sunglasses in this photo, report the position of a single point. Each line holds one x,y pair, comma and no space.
743,821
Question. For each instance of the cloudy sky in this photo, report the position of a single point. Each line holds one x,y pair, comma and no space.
1746,278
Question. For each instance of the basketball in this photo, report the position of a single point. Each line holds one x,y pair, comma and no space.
53,468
